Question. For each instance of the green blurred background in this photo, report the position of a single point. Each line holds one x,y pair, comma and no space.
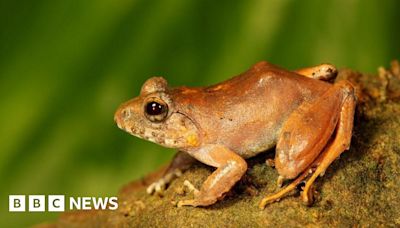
65,66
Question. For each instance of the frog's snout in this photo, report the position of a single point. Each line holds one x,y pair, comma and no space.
122,114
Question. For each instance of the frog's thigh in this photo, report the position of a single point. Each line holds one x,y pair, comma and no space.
306,132
324,72
341,139
230,168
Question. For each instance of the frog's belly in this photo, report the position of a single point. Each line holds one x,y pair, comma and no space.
253,140
252,150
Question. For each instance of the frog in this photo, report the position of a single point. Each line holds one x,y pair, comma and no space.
303,114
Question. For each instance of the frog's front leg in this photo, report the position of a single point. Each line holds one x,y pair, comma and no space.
230,168
179,164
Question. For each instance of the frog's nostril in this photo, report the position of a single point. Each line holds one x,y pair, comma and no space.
126,113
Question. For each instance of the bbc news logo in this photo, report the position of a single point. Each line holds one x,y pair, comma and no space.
57,203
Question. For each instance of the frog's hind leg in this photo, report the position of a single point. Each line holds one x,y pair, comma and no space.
324,72
341,142
302,145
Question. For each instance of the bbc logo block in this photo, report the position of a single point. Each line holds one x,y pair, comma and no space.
58,203
36,203
16,203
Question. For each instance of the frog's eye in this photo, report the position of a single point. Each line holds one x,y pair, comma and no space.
155,110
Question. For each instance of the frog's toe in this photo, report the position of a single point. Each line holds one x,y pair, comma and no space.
307,195
325,72
161,185
150,189
186,203
200,198
280,180
196,202
191,187
157,187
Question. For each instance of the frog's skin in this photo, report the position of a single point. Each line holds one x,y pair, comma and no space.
308,119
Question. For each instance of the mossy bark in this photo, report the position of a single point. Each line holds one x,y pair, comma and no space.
360,188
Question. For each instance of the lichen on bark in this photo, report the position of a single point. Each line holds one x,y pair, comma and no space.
361,188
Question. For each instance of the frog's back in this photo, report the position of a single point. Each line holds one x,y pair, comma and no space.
246,112
263,77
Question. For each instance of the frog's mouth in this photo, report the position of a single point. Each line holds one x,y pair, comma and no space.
177,131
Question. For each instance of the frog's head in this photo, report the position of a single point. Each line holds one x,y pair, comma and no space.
154,117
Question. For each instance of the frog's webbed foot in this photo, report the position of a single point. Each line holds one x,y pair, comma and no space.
304,149
230,168
324,72
160,185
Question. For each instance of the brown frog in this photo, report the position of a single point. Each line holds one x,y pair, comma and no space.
302,113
